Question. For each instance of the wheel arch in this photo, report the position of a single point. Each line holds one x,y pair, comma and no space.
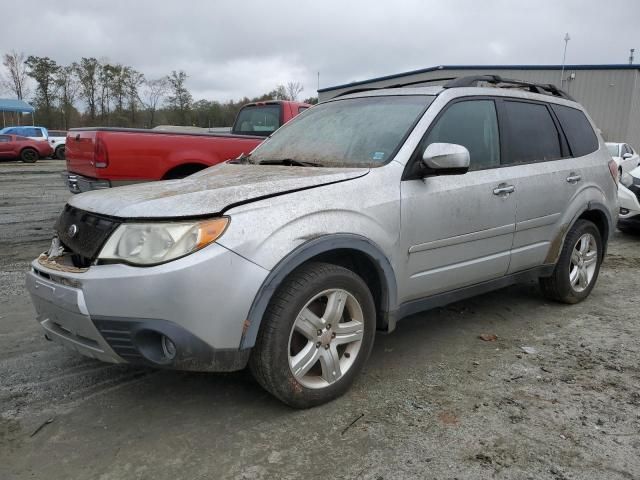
186,168
355,252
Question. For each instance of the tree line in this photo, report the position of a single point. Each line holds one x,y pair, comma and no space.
92,92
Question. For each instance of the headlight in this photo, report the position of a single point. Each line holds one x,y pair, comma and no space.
153,243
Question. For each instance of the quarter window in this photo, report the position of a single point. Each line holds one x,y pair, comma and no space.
532,134
582,140
474,125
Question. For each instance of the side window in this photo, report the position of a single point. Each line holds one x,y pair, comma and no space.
33,132
627,149
580,135
474,125
302,109
532,135
5,138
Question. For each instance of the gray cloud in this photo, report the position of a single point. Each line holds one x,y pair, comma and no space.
232,49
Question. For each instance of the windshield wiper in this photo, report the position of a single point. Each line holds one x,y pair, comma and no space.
289,162
241,159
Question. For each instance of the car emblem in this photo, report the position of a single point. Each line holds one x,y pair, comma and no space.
72,231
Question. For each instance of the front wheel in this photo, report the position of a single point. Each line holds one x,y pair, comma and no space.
316,335
29,155
577,269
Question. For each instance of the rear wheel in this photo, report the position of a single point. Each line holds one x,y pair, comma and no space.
29,155
316,335
578,267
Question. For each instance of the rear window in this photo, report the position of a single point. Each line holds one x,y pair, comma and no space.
532,133
258,120
581,137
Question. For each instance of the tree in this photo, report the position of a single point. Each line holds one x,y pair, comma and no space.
67,86
293,89
43,71
311,100
132,82
16,80
153,91
87,71
180,98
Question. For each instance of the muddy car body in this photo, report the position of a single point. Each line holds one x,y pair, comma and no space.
363,210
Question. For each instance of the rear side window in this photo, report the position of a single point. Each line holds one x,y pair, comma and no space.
5,138
474,125
531,132
260,120
581,137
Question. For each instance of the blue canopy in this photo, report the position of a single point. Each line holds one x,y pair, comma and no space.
14,105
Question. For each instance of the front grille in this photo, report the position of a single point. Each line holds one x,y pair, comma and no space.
89,234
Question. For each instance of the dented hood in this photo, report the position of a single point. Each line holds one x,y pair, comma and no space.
208,192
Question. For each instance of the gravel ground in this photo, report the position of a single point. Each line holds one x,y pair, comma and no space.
556,396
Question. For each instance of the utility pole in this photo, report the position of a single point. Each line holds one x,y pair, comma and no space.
631,56
564,57
318,80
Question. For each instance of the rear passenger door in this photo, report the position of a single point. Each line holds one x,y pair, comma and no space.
538,156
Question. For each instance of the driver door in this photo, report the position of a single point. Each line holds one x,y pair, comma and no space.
457,230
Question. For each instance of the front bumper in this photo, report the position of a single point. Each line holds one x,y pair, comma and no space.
119,313
78,183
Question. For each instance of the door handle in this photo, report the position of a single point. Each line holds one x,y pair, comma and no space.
574,178
503,189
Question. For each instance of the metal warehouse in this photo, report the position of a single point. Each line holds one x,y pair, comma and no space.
610,93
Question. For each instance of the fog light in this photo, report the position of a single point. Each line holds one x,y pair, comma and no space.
624,211
168,347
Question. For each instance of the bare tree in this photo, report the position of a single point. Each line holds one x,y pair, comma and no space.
293,89
180,98
16,78
67,85
87,71
152,94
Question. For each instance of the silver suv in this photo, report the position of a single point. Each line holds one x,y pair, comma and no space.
363,210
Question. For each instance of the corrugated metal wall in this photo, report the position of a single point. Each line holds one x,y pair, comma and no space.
612,97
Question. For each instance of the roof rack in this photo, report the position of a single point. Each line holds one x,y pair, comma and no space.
397,85
498,81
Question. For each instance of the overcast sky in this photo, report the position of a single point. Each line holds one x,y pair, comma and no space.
233,49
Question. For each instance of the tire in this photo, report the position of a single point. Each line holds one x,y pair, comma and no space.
574,258
29,155
281,345
59,153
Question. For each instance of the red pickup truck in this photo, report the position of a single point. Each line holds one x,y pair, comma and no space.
106,157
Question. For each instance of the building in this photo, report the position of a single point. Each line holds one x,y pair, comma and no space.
610,93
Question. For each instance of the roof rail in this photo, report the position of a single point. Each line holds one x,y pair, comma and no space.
498,81
396,85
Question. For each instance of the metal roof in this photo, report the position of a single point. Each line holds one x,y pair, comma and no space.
622,66
14,105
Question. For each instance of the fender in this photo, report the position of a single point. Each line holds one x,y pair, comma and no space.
556,245
307,251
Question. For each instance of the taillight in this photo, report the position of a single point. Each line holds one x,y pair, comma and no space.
101,156
613,169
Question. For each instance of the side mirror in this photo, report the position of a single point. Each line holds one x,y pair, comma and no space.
626,155
446,159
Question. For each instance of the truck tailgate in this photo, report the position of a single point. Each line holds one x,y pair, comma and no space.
80,152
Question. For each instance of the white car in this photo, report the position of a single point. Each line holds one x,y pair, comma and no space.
629,200
625,156
58,139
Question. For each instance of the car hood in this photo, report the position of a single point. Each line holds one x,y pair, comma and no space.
208,192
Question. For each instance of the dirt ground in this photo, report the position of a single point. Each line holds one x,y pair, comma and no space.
556,396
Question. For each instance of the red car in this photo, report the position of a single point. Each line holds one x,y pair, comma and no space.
23,148
106,157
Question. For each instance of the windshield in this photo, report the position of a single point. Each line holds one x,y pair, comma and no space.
355,132
613,149
258,120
